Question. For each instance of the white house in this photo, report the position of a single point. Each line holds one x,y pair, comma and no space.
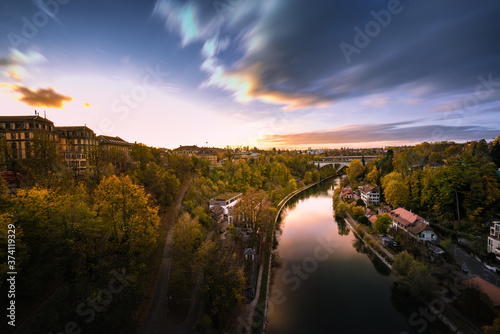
370,194
227,201
415,225
493,239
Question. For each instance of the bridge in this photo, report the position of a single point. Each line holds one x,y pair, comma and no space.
341,161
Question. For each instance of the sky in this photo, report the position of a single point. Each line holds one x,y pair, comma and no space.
265,73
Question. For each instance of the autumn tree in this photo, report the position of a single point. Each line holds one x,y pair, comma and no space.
355,170
251,207
396,191
373,176
132,218
356,211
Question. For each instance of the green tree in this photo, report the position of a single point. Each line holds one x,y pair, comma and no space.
403,262
420,280
341,210
495,153
382,223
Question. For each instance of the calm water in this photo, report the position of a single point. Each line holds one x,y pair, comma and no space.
327,282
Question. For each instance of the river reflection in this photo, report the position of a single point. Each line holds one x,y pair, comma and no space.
328,281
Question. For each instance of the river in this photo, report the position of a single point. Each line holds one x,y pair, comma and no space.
327,281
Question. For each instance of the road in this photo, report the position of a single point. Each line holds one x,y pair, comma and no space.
476,268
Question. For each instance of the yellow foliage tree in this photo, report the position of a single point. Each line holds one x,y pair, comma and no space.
128,212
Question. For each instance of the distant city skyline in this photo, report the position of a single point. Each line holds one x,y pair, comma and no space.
284,74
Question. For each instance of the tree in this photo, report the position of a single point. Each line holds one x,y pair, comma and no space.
355,170
130,215
382,223
403,263
495,153
223,282
356,211
396,191
341,210
446,244
494,328
162,184
373,176
250,206
420,280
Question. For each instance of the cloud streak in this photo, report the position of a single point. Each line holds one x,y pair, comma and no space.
42,97
287,52
403,132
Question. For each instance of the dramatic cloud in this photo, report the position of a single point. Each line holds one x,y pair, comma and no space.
402,132
42,97
289,52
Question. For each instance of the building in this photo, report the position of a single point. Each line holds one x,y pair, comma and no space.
207,154
109,144
186,150
347,194
493,238
75,145
226,201
413,224
22,133
199,152
370,194
490,289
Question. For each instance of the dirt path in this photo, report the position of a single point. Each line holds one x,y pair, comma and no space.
156,320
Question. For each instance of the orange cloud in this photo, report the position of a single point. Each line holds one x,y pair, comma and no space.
42,97
247,85
86,104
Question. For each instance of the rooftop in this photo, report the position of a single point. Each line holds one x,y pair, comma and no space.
23,118
369,188
225,196
113,140
488,288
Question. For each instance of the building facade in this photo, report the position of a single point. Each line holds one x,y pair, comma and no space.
370,194
494,239
199,152
23,133
75,145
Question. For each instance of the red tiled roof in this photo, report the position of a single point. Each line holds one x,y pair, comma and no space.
346,191
369,212
406,215
488,288
372,219
419,227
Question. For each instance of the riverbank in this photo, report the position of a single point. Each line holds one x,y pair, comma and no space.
352,223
